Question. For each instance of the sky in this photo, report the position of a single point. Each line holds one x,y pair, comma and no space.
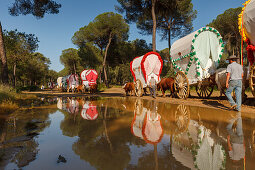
55,31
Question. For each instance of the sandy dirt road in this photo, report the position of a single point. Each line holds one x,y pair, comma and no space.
213,102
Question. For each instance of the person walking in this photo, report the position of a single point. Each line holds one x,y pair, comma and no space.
153,85
234,82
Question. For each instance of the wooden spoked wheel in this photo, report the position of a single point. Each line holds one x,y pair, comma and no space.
204,89
181,85
252,80
182,118
138,88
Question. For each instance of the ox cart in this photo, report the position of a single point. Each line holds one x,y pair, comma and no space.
195,59
143,68
89,78
247,31
73,82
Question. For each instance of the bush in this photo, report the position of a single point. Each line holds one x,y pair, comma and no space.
101,87
27,88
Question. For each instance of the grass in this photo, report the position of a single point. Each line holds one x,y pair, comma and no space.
9,99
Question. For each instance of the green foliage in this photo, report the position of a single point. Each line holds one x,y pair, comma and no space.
90,56
34,7
175,18
70,59
24,65
120,74
227,25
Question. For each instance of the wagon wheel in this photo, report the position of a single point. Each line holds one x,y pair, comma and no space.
252,80
182,118
138,88
204,89
181,85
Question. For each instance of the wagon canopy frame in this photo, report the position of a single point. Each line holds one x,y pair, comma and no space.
195,58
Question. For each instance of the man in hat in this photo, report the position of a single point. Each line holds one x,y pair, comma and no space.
153,85
234,82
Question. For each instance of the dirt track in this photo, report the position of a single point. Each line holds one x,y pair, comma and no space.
213,102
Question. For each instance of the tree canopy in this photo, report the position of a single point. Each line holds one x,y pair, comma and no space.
227,25
173,17
37,8
70,59
102,31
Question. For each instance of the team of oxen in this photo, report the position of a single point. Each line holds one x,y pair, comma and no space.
219,79
164,85
72,83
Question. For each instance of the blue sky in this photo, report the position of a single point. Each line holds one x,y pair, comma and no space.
55,31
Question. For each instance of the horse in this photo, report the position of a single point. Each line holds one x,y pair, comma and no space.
129,88
166,84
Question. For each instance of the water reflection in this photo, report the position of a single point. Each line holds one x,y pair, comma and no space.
126,133
235,141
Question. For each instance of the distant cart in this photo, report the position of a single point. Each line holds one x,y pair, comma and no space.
143,68
247,30
73,82
89,78
195,58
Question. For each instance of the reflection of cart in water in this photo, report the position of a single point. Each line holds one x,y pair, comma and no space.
196,148
195,58
89,111
143,68
146,124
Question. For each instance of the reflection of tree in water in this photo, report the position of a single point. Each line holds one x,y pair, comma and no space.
102,143
20,129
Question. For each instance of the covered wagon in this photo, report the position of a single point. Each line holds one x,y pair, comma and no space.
195,58
59,82
64,83
247,30
89,78
143,68
73,82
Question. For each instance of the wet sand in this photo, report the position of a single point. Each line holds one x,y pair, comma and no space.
214,101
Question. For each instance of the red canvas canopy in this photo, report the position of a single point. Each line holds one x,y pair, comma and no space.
89,75
89,111
145,66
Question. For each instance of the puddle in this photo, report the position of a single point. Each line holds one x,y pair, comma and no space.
125,133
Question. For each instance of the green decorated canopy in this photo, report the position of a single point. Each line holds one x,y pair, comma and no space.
198,53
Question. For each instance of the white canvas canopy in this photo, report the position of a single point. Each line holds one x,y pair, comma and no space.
198,53
146,66
59,81
249,21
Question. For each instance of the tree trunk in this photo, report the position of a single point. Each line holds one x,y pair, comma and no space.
74,68
14,74
154,25
104,62
169,47
3,58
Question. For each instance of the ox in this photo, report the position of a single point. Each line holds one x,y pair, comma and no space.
166,84
93,88
221,77
129,88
